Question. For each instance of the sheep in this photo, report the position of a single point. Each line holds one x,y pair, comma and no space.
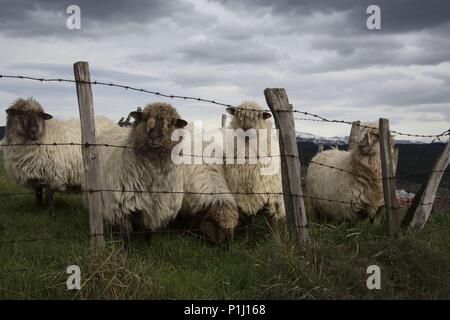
208,204
147,165
56,168
249,178
357,187
44,166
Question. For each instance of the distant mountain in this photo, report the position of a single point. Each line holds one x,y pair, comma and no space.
2,132
309,137
336,141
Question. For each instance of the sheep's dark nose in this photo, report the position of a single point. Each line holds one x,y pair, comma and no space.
34,129
154,134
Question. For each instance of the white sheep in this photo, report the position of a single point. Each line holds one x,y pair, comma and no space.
147,165
357,189
208,204
55,168
249,178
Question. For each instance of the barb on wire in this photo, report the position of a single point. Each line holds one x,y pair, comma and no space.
55,144
323,119
192,98
122,86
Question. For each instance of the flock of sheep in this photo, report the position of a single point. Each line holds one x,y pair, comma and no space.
143,188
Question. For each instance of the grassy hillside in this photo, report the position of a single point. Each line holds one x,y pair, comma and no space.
180,266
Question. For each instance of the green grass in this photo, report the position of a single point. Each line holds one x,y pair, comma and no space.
181,266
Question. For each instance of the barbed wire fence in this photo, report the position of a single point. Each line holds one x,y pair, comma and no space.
284,155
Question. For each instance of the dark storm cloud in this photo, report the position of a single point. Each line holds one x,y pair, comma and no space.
397,15
66,71
218,51
48,17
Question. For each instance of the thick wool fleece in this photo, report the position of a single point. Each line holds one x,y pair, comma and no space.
55,166
247,178
362,190
141,169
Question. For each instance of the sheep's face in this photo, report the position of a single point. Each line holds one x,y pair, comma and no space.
369,139
26,119
153,128
369,144
248,116
218,224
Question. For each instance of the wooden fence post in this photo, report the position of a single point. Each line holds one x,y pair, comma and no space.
420,208
320,148
396,154
278,103
224,120
387,170
353,138
90,153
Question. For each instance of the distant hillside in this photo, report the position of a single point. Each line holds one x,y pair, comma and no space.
412,158
2,132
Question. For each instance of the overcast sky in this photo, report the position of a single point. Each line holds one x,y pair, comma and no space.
320,51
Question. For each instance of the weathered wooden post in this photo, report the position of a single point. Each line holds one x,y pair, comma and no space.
224,120
420,209
278,103
89,150
320,148
353,138
396,155
387,171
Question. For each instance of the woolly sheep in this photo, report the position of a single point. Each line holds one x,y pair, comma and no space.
363,189
208,204
248,178
147,165
55,168
36,167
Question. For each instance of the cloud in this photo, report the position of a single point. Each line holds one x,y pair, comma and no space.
21,18
320,51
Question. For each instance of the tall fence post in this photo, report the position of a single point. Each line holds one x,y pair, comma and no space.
387,171
278,103
396,155
353,138
320,148
224,120
90,153
420,208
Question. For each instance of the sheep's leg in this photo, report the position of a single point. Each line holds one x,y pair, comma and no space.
125,230
49,199
273,224
148,235
107,231
272,210
38,191
246,222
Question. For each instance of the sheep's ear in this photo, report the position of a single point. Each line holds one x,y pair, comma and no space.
181,123
136,115
266,115
365,141
231,110
46,116
12,112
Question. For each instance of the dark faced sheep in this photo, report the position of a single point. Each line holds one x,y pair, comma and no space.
54,167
